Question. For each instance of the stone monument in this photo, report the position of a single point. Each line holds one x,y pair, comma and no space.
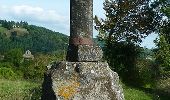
83,76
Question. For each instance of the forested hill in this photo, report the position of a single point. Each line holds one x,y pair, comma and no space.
30,37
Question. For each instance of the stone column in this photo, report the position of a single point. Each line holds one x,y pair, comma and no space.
81,46
81,22
83,76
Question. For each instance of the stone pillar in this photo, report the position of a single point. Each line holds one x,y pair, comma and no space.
81,47
83,76
81,22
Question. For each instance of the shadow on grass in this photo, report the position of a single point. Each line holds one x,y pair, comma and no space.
36,93
156,94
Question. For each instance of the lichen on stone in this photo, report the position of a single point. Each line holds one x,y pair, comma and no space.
68,91
84,81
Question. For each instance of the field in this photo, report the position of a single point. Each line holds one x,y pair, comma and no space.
135,94
26,90
19,90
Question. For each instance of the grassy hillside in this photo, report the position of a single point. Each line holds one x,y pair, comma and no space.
16,38
30,37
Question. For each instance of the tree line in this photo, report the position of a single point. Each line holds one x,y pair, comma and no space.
34,38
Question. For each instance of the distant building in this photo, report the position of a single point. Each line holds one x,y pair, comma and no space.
15,26
28,55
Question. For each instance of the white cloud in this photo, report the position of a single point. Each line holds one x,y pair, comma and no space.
36,15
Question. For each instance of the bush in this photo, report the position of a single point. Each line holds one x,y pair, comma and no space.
6,64
164,85
32,70
122,57
7,73
147,72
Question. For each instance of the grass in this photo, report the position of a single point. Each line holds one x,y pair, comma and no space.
132,93
135,94
26,90
19,90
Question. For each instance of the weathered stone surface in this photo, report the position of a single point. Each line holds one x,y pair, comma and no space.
81,30
81,81
84,77
86,53
81,22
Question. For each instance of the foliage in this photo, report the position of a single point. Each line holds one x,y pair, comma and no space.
27,68
128,20
7,73
147,72
164,85
135,65
11,24
30,37
4,43
16,38
2,29
34,69
163,55
14,56
44,40
117,51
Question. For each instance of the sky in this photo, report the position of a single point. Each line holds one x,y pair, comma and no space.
52,14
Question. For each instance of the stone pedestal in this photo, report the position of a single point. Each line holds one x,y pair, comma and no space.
84,76
84,53
81,81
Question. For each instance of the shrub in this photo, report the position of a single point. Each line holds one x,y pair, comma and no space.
7,73
6,64
33,70
147,72
164,85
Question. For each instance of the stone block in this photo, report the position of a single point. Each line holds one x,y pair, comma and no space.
84,53
81,81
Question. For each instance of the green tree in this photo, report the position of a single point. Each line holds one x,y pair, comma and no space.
163,55
122,57
14,56
127,22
